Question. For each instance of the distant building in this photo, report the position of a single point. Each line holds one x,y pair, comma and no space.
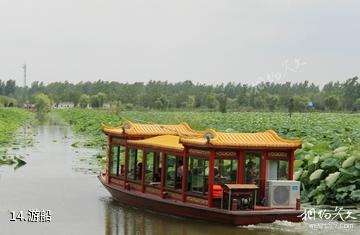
106,106
29,106
64,105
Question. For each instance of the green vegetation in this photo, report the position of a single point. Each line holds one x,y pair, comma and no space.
88,123
6,101
328,165
11,119
42,104
187,96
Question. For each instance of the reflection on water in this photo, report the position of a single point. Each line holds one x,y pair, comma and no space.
80,204
121,219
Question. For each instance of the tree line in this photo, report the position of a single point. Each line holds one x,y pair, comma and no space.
163,95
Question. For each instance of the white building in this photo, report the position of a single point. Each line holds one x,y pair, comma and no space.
64,105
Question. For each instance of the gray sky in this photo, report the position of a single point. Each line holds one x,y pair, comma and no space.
203,41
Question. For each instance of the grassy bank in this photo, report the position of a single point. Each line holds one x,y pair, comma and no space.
11,119
328,165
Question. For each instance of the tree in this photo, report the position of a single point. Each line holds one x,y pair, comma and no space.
42,104
94,101
357,104
210,101
222,100
290,106
10,87
272,101
300,103
117,106
101,98
190,103
84,100
331,102
162,102
351,91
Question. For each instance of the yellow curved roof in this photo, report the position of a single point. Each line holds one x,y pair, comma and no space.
267,139
175,136
146,130
164,141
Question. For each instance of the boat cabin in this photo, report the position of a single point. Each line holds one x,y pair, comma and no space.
197,167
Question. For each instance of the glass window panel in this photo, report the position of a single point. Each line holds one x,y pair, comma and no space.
252,168
149,170
170,171
114,159
134,164
225,171
198,172
277,170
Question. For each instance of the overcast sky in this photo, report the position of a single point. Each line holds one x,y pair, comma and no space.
203,41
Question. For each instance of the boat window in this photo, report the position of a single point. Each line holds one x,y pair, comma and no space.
252,168
225,171
117,161
153,167
134,164
198,172
277,170
172,172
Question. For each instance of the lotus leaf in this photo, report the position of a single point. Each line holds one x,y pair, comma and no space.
346,188
331,178
355,195
341,149
356,154
305,174
327,156
350,171
298,163
341,196
340,155
298,173
307,145
320,199
316,174
357,165
320,188
316,160
348,162
330,162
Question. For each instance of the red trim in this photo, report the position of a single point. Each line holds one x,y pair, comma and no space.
126,165
162,180
278,158
108,153
291,165
143,171
184,175
211,177
241,168
263,174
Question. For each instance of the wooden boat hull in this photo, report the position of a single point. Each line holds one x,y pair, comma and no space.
178,208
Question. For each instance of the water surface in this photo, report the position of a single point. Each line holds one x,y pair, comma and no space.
56,178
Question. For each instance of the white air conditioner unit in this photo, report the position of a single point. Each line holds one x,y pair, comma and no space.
282,193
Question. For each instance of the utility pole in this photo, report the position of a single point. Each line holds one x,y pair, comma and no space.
24,67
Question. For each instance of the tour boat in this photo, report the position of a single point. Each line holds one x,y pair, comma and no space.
231,178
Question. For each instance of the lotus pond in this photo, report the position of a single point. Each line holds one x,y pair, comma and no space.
328,165
11,119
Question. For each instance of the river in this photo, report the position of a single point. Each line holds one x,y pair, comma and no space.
56,179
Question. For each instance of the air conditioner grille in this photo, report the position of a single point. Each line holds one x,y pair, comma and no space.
281,195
